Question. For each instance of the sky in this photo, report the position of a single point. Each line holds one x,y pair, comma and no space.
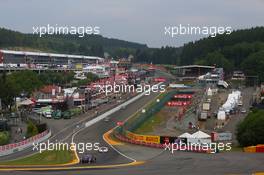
141,21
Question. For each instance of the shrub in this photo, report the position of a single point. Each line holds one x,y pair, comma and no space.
4,138
31,129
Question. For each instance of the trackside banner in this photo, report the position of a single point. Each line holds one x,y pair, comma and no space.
142,138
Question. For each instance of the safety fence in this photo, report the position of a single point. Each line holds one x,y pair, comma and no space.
15,147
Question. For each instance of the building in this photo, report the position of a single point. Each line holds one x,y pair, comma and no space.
213,78
32,59
191,71
124,64
101,71
238,75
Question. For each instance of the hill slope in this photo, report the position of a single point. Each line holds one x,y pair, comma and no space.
93,45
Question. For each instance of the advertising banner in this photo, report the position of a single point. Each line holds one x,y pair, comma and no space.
170,139
185,96
142,138
178,103
160,79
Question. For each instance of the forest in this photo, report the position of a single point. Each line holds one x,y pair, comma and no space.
241,50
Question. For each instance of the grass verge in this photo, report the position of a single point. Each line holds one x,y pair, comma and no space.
44,158
149,125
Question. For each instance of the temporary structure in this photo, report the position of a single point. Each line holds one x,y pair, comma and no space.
185,135
200,135
232,101
221,115
26,102
209,92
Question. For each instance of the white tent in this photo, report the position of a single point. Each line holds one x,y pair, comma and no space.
209,92
200,135
221,115
186,135
26,102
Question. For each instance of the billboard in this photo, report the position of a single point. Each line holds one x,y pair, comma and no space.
170,139
142,138
178,103
185,96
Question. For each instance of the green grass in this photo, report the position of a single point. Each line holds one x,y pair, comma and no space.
44,158
148,107
236,149
150,124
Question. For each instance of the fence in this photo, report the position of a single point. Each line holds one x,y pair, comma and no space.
15,147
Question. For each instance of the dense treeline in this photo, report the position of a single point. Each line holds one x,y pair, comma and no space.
25,82
195,50
250,130
94,45
164,55
241,50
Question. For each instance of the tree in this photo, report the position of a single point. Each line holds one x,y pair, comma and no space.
97,50
254,65
32,129
218,59
8,91
25,81
250,130
90,77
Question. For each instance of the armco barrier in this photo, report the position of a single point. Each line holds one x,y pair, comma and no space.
15,147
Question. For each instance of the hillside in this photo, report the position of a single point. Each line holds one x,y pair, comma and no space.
94,45
241,50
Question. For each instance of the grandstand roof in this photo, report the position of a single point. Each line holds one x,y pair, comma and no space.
25,53
194,66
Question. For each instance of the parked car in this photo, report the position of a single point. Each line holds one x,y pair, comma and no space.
47,114
56,114
66,115
88,158
103,149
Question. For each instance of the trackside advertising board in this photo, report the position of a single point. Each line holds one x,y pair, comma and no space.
142,138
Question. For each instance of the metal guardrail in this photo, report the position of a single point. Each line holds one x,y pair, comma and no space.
16,147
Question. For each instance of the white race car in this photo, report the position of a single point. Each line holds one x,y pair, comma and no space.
103,149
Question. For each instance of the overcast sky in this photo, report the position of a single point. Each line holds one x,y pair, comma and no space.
140,21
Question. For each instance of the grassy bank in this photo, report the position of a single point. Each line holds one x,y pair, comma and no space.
44,158
150,124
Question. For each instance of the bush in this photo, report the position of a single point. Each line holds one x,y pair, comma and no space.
76,111
251,130
32,129
4,138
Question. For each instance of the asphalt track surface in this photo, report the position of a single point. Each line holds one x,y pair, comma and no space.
94,133
165,163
